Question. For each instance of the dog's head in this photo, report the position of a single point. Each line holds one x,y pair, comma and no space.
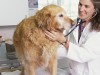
53,17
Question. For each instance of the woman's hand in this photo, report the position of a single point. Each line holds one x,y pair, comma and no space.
59,37
56,36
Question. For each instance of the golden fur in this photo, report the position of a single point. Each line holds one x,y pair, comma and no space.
33,48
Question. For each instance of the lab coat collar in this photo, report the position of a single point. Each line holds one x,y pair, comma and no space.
84,35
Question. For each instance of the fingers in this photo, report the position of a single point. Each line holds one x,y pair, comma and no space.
50,35
54,33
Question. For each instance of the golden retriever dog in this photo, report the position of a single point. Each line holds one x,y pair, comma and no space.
34,50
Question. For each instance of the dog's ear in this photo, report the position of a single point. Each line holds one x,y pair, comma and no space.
45,19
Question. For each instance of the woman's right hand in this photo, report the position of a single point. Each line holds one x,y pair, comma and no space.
59,37
56,36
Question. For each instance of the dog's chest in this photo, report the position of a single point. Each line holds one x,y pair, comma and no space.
47,55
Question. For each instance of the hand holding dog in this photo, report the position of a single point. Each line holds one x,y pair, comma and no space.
56,36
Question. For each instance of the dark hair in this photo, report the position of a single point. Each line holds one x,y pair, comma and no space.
96,20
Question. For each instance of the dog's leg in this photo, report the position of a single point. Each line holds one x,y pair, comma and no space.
22,71
29,69
53,65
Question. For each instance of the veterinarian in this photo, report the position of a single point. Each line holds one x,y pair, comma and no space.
83,50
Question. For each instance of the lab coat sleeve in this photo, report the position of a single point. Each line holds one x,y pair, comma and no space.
89,51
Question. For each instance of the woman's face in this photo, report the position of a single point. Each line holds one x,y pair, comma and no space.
85,9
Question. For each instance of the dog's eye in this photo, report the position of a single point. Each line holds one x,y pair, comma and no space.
61,15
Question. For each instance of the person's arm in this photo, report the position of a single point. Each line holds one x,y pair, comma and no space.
90,50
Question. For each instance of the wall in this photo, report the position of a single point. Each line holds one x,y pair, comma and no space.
7,31
13,11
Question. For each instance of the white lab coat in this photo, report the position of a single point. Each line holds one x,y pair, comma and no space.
85,55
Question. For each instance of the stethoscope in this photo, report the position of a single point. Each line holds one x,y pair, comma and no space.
79,22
